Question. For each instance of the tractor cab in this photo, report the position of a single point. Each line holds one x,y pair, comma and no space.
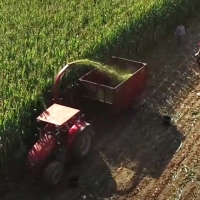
58,118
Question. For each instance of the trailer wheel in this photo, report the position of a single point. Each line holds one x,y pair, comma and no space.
53,174
82,144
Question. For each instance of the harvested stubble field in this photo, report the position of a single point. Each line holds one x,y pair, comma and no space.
139,158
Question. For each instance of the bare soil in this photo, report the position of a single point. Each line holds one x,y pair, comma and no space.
137,157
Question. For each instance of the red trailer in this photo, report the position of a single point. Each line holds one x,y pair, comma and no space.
121,96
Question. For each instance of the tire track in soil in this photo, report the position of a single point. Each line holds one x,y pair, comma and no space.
192,190
173,166
188,178
170,170
194,154
149,183
191,103
169,88
146,182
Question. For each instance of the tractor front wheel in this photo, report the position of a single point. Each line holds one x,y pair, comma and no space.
53,174
82,144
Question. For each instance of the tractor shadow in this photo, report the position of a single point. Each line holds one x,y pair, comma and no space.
135,145
138,139
91,174
130,147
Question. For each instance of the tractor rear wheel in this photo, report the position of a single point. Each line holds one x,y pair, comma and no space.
82,144
53,174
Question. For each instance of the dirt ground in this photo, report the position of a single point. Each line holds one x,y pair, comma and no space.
137,157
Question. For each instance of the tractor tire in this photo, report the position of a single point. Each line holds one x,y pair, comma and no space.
53,174
82,145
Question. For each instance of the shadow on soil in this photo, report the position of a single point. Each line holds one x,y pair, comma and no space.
145,146
142,146
137,139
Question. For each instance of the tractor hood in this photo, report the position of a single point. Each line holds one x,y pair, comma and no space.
41,150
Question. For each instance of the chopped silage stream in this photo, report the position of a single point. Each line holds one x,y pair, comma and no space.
115,75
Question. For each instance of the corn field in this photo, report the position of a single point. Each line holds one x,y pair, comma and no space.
39,37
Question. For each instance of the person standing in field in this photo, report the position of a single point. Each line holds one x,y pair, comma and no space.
197,55
180,31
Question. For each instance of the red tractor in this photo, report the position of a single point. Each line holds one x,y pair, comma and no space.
65,136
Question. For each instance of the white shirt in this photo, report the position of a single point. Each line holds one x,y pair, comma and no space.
180,30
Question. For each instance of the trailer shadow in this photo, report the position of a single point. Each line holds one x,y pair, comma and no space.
143,144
